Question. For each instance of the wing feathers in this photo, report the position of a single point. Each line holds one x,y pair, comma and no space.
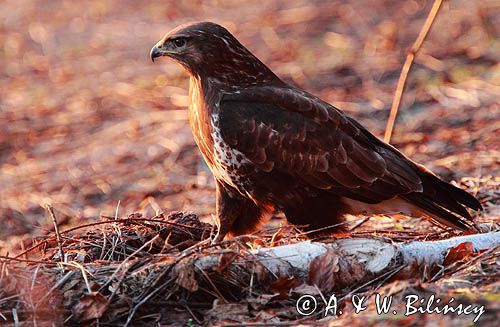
292,132
340,155
361,172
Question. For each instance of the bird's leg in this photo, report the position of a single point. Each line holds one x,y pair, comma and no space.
233,212
226,212
319,215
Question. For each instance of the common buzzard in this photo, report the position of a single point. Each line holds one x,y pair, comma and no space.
274,147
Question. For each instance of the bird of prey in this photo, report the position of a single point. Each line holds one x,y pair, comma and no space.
275,147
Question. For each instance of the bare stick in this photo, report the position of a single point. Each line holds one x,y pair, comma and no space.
406,68
58,235
4,259
15,317
110,279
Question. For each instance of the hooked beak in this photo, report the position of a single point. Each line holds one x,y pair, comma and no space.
158,51
155,53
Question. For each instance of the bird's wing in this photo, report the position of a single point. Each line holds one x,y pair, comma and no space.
290,131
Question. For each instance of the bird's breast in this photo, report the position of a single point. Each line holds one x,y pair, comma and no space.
230,165
199,121
227,164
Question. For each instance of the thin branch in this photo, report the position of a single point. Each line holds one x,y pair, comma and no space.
4,259
56,228
406,68
117,270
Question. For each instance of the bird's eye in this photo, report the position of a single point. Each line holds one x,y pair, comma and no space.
179,42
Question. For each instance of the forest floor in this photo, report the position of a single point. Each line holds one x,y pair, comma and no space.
94,129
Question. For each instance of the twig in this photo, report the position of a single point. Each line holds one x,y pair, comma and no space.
2,271
144,300
364,220
384,277
219,294
406,68
56,228
84,273
15,317
104,240
198,321
7,258
115,272
5,299
34,247
33,282
267,324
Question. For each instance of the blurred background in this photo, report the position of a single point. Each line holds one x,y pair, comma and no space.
90,125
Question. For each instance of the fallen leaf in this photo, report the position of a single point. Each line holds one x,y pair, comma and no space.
257,303
460,253
90,306
186,278
283,285
335,270
266,317
306,289
225,260
322,270
229,311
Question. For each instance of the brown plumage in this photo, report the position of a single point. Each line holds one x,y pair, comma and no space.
272,146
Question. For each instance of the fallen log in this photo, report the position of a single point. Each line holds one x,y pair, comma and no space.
347,262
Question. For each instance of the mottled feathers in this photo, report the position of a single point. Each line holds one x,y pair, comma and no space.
274,147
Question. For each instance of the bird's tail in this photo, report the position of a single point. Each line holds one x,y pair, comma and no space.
444,202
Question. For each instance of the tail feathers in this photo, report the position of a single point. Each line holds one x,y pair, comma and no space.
444,202
459,195
441,214
443,192
445,195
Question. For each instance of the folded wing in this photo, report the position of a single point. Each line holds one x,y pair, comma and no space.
290,131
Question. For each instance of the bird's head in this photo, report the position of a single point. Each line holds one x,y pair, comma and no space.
208,50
